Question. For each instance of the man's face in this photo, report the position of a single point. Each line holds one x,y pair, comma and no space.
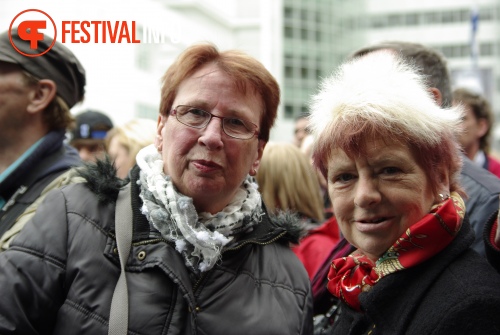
14,98
301,131
91,150
473,130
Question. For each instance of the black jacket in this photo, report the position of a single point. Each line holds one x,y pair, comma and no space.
455,292
59,274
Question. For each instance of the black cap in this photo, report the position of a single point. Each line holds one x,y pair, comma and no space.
58,64
91,125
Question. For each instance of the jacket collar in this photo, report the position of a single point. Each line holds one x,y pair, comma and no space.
403,291
101,179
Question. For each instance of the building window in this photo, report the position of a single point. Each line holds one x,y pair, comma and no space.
447,17
303,34
394,20
486,14
486,49
411,19
464,15
465,50
288,111
377,22
303,15
304,73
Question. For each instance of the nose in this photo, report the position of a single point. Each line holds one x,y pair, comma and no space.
367,193
211,136
86,155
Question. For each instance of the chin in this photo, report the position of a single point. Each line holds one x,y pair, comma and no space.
205,187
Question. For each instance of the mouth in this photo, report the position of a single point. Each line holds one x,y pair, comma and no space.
374,224
373,221
206,166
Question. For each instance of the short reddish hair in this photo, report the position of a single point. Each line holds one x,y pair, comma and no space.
246,72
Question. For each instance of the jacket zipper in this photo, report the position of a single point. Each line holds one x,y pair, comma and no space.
204,275
156,240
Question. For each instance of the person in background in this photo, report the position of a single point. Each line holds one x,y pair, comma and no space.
205,256
287,183
477,122
392,162
36,94
124,142
301,130
315,246
89,134
306,148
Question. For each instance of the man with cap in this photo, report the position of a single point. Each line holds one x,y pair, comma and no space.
89,133
36,94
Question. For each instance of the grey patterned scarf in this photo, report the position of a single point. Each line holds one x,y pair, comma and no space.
199,237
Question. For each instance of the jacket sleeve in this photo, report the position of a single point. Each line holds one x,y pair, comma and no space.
32,271
492,253
307,321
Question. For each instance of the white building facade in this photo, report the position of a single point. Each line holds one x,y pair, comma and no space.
299,41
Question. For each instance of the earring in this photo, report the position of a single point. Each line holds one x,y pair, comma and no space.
253,172
443,197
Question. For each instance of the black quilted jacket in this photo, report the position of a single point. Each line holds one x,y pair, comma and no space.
59,275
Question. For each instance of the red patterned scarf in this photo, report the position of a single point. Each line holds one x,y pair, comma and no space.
356,273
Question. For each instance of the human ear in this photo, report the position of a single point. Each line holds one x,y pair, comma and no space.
438,97
443,184
483,127
159,137
41,95
256,163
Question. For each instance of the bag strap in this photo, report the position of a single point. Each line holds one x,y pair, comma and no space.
30,189
118,315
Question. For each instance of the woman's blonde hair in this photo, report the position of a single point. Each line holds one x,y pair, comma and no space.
380,96
287,181
133,135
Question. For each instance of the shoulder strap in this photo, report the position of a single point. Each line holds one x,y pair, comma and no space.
118,316
29,190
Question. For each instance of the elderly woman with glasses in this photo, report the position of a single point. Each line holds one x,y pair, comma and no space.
204,256
391,159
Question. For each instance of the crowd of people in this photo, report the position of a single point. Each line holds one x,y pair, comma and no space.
380,218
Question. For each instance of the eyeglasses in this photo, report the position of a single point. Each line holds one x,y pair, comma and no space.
198,118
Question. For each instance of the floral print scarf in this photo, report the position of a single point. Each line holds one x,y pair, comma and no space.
356,273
